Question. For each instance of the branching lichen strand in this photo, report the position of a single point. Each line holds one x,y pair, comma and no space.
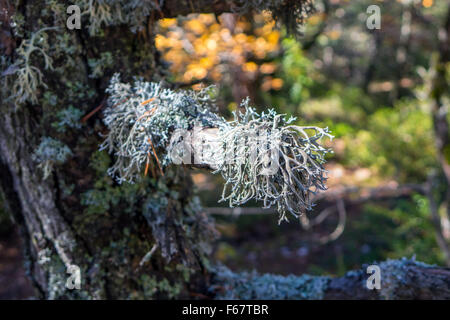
262,156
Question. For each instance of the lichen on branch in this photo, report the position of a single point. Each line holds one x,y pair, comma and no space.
267,158
141,118
262,156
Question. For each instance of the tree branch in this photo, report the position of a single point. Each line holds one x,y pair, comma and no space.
399,279
171,9
351,194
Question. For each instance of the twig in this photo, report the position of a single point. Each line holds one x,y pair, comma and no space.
352,195
90,114
341,224
147,101
156,156
148,255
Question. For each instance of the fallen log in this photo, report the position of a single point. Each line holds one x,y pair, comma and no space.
399,280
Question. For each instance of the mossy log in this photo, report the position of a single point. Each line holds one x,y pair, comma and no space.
399,279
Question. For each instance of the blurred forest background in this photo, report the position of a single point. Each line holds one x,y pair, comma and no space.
372,88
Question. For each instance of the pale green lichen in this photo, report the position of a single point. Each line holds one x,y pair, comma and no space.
68,118
29,77
98,66
50,152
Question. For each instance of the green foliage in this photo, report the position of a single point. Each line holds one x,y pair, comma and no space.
297,74
397,142
402,228
340,105
296,71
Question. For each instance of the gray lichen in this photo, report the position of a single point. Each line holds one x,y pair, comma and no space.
399,279
99,65
68,118
393,275
251,286
267,158
262,156
135,125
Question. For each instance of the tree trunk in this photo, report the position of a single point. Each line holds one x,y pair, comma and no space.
438,92
146,240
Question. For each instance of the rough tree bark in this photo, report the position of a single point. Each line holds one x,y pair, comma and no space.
77,215
147,240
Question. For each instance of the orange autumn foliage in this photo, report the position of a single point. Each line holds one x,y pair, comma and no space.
200,48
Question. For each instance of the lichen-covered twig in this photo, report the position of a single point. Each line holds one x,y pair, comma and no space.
261,156
29,77
271,160
131,126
